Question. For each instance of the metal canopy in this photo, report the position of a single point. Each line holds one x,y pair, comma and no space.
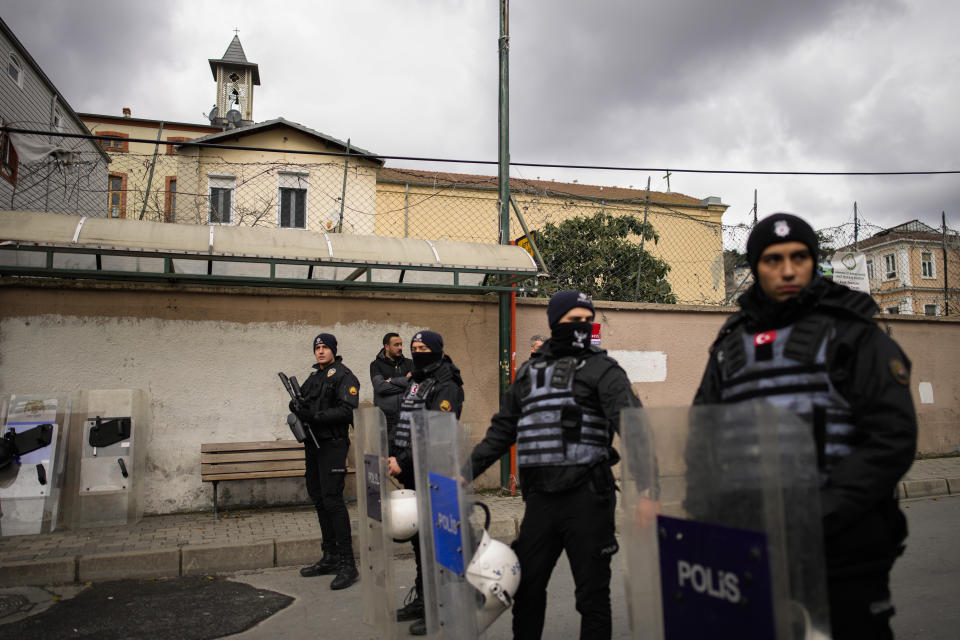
54,245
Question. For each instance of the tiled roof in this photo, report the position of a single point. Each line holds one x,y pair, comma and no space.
283,122
908,231
235,56
521,185
234,52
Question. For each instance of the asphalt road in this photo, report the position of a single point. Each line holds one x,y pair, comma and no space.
925,584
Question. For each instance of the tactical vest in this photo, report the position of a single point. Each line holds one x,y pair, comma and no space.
414,400
788,368
553,429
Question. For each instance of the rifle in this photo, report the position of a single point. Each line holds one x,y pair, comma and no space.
299,431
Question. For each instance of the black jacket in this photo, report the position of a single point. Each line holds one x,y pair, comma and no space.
872,374
600,384
331,394
388,395
446,395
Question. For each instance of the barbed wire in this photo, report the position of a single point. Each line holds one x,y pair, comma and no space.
616,243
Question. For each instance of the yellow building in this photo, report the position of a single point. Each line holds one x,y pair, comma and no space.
283,174
913,269
426,204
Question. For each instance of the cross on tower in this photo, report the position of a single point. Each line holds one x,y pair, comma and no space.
236,32
667,178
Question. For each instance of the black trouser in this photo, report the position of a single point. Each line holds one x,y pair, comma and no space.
860,608
580,522
406,478
326,469
859,559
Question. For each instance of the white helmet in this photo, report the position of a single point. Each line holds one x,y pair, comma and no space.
494,571
402,514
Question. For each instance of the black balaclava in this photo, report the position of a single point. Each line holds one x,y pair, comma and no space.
568,336
434,341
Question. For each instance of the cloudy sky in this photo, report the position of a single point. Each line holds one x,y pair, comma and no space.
769,85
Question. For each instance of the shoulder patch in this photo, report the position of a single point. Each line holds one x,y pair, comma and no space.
899,371
331,371
445,405
353,391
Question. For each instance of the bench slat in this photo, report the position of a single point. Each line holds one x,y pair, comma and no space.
258,474
251,456
245,467
217,447
253,476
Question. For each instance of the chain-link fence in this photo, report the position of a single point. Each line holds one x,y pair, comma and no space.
615,243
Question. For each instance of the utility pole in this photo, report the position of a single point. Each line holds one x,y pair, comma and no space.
946,287
856,228
643,235
504,207
754,207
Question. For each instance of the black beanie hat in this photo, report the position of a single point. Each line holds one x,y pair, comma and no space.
563,301
327,339
432,339
780,227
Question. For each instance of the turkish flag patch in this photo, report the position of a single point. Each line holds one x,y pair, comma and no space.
764,338
763,345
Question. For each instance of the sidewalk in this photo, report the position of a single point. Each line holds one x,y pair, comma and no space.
196,544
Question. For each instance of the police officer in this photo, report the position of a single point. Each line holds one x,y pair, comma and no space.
436,386
562,411
810,345
329,395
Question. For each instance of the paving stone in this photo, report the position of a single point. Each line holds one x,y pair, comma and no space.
163,563
925,488
221,558
39,572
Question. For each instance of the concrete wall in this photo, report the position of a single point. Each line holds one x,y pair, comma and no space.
208,360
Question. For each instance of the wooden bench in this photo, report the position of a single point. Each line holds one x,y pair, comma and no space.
253,461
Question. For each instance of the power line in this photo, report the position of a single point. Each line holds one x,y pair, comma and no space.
378,157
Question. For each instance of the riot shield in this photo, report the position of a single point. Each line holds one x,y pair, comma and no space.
440,448
380,594
108,467
738,545
32,481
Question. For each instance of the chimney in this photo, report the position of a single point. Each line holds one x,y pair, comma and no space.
126,112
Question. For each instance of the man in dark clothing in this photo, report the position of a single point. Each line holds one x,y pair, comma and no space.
390,374
562,411
436,386
329,395
809,345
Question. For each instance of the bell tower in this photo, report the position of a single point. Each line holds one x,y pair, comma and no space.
235,78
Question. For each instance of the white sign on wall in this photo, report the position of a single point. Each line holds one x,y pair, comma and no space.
850,269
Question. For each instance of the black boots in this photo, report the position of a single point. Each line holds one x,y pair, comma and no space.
327,565
346,574
419,628
412,608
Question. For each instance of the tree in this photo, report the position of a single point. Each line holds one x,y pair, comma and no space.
594,255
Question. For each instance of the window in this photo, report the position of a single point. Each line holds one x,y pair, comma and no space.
927,265
15,69
117,195
293,208
9,162
890,266
116,143
170,199
172,150
893,310
870,268
930,310
221,199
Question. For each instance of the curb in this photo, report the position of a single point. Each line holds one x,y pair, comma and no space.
186,560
